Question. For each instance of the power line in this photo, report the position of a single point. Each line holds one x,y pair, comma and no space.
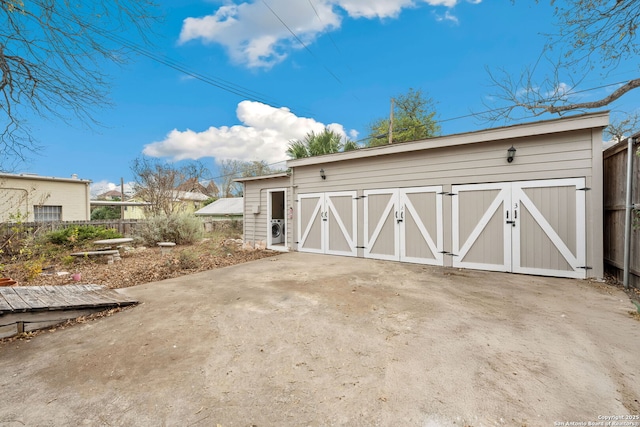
335,45
218,82
302,43
171,63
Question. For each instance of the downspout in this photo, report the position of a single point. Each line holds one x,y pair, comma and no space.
88,199
255,220
628,209
290,228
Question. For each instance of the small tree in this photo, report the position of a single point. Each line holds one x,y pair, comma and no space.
232,169
413,119
317,144
156,182
624,127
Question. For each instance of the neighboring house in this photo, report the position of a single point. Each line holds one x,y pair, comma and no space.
110,195
136,210
194,186
34,198
524,199
222,209
182,202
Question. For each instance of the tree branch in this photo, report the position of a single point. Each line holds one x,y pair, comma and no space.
630,85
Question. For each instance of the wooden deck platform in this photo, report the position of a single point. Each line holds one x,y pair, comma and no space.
26,308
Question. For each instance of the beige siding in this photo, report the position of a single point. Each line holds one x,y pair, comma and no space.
255,195
571,154
20,195
489,247
545,157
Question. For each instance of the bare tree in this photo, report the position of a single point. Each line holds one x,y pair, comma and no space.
156,182
622,128
594,37
52,56
232,169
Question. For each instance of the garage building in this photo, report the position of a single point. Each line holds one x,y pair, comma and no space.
523,199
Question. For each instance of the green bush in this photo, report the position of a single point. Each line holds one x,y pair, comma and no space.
180,229
105,212
81,234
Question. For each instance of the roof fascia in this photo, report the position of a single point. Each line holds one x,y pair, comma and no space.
584,121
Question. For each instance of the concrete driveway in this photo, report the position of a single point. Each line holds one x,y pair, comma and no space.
302,339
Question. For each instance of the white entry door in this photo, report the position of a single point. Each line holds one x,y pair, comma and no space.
327,223
533,227
404,224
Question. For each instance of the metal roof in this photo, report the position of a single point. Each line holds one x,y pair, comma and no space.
225,206
255,178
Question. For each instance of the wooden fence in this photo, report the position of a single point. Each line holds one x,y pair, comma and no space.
126,227
615,192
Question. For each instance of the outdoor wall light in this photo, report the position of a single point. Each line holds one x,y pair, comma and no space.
511,153
322,175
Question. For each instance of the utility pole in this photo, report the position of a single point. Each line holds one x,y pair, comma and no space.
121,206
391,123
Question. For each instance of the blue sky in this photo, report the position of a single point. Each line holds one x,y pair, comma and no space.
358,54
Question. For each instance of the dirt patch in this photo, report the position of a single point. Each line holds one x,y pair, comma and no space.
140,265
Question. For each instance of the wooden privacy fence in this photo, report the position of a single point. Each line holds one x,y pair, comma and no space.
615,193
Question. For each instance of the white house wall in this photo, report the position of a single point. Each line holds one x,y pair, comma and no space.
571,154
20,195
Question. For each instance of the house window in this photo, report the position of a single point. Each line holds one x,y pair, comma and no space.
47,213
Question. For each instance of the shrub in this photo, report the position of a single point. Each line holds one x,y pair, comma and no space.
32,268
188,260
177,228
105,212
81,234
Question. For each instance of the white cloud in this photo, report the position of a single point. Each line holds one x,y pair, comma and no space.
448,16
264,135
254,36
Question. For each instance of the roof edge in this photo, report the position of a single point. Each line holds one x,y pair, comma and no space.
42,178
543,127
256,178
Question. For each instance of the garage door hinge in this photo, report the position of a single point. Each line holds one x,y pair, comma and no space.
586,267
450,254
444,252
296,242
361,247
583,189
358,198
444,193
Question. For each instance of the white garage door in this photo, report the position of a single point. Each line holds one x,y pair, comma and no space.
404,224
533,227
327,223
